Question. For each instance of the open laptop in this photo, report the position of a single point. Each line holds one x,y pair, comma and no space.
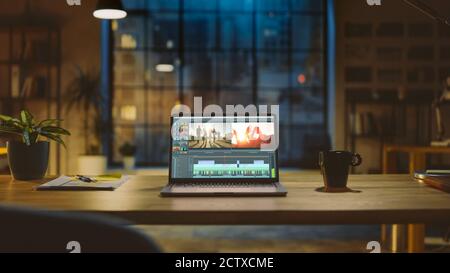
224,156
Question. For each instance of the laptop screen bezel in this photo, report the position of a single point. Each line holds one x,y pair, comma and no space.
218,180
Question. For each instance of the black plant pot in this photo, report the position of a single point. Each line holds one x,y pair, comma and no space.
28,162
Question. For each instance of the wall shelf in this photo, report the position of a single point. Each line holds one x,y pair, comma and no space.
30,69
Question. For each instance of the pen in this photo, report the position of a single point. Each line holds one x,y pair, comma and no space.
85,178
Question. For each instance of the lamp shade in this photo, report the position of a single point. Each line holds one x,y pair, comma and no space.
109,9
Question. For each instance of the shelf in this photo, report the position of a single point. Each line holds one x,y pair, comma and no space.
367,136
389,97
30,63
10,99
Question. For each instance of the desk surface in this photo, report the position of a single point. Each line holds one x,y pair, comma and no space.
384,199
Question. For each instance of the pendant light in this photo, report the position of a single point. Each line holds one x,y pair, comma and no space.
109,9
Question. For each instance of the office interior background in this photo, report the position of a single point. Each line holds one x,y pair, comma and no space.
330,66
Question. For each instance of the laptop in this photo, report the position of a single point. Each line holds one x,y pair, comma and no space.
224,156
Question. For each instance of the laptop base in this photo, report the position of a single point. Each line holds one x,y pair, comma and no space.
255,190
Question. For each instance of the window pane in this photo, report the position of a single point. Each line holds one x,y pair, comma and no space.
280,97
307,5
272,5
221,59
236,31
129,33
130,134
163,31
236,5
273,69
135,4
307,32
199,70
307,69
156,5
235,69
195,5
272,31
200,30
160,101
208,95
129,68
236,96
163,69
158,142
307,106
129,106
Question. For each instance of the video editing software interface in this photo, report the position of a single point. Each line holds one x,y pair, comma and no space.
223,147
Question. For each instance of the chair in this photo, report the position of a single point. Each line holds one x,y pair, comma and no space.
25,230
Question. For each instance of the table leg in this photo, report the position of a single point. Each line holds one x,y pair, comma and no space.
398,238
384,235
416,238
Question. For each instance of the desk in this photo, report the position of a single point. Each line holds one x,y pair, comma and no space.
417,156
385,199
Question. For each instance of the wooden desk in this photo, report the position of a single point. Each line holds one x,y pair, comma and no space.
417,156
385,199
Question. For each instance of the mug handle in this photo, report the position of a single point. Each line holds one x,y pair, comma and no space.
356,160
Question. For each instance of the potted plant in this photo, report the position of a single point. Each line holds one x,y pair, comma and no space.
28,158
128,151
84,94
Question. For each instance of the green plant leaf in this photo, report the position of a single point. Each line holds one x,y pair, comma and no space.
55,130
26,117
10,130
30,131
9,120
48,122
54,138
26,137
5,118
34,136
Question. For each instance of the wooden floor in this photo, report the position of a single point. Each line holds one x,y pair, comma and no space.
269,239
264,239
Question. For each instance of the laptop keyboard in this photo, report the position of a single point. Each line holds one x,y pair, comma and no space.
225,187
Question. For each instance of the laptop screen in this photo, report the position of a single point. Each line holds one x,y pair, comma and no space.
224,148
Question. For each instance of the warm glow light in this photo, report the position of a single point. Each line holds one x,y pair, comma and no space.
128,41
111,14
301,78
128,112
164,68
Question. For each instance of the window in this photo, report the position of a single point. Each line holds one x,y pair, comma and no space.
227,51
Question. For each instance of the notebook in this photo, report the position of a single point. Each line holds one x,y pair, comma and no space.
437,179
69,183
440,183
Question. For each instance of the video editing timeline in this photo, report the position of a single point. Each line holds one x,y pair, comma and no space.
206,163
230,167
210,148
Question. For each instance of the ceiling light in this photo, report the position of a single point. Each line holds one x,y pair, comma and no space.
167,68
109,9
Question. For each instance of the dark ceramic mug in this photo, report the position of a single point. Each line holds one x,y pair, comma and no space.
334,166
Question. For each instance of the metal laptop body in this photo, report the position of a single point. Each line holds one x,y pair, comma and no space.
221,156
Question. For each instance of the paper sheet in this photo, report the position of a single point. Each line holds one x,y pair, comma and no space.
68,183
